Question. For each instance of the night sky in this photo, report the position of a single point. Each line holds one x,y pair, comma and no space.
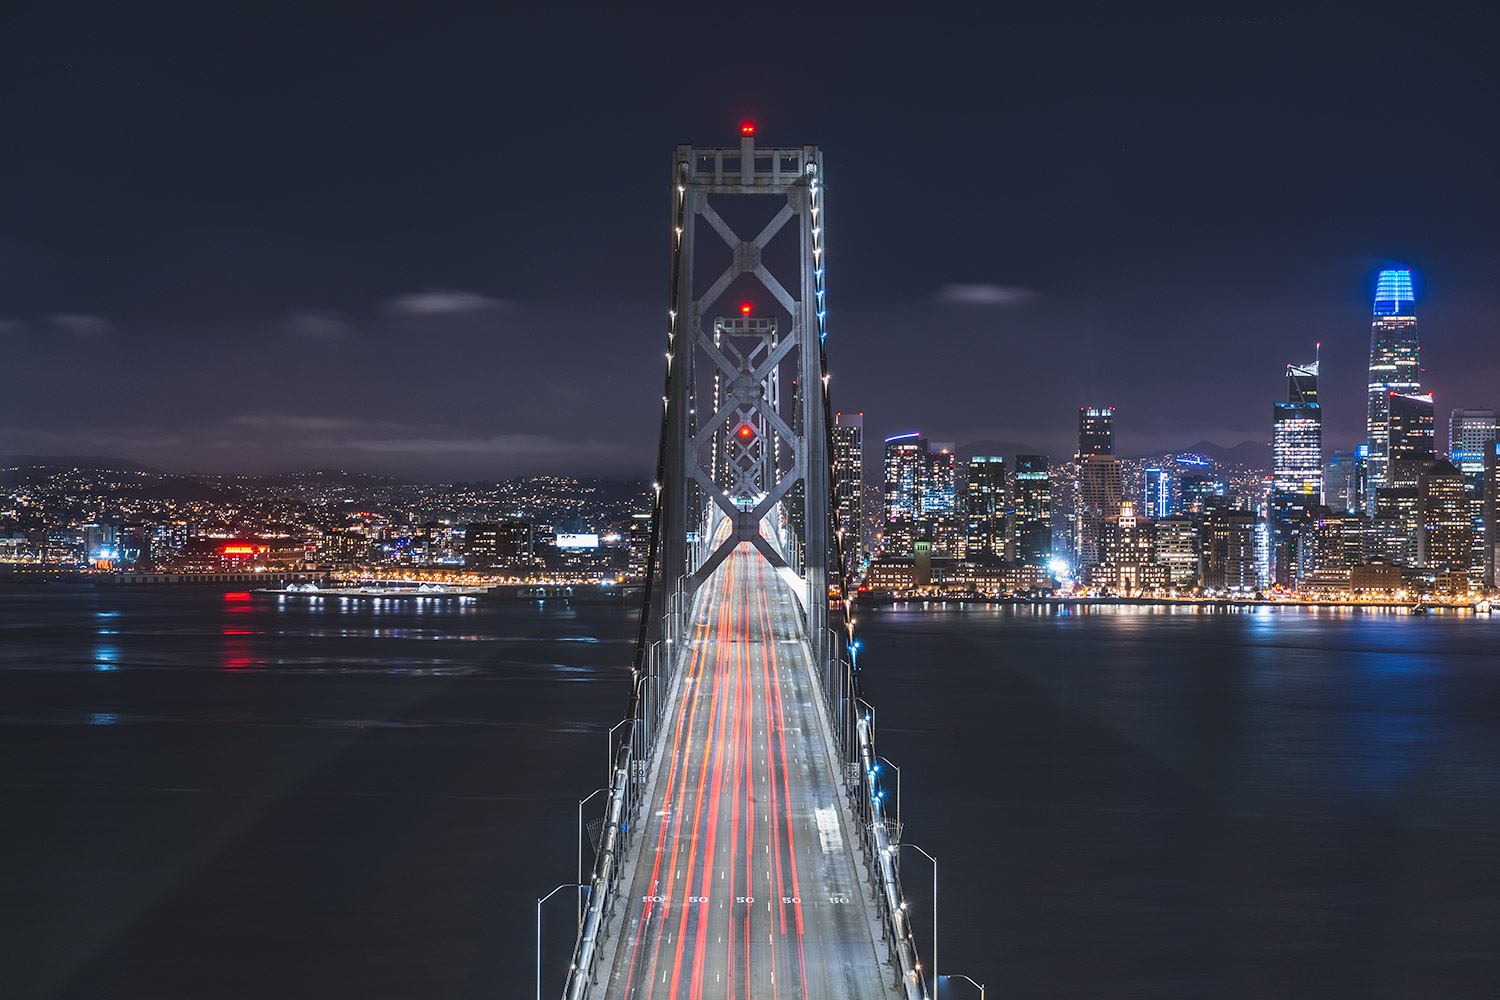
434,243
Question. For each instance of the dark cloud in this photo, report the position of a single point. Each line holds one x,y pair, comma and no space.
983,295
437,302
318,326
80,325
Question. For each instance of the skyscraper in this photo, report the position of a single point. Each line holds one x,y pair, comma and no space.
1445,531
848,482
1341,482
1096,431
1470,435
1410,436
986,500
905,475
1158,494
1098,498
1031,524
1395,368
942,515
1297,458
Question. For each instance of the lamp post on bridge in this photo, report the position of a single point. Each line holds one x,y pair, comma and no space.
960,975
581,803
929,857
609,765
540,900
898,792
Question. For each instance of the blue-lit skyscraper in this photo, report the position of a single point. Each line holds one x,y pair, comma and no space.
1395,367
1158,494
905,477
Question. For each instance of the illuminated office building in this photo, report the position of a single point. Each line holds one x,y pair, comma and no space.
1096,431
1410,433
848,483
1491,559
1229,556
1159,496
942,517
1098,498
905,476
1177,548
986,501
1031,522
1472,435
1445,530
1341,490
1297,460
1395,368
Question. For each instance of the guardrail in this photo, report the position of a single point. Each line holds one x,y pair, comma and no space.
631,762
853,719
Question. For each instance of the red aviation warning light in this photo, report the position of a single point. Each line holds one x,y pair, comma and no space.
744,309
746,432
747,127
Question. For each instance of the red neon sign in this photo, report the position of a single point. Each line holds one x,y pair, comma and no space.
242,550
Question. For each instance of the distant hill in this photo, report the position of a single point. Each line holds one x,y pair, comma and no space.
321,477
1246,454
76,462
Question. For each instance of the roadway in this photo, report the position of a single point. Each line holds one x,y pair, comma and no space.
744,883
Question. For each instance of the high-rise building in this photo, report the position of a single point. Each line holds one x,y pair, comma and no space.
1229,559
1445,531
1393,529
1031,524
1098,498
1297,457
1096,431
1395,368
1159,494
1321,546
1177,548
848,483
986,499
1471,433
905,476
1341,490
942,514
1410,433
1491,513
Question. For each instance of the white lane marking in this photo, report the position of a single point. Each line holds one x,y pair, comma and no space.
828,830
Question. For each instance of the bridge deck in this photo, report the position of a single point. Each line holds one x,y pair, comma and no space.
745,884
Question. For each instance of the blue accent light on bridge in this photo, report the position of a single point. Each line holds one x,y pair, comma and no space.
1393,294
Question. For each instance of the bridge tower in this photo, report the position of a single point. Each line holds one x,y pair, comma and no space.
736,461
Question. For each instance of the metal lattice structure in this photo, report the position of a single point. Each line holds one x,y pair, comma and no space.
733,452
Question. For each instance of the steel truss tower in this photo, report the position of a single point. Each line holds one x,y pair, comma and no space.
732,453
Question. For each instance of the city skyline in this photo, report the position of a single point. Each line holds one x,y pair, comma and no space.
329,275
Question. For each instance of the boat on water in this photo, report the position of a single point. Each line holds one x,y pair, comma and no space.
1482,607
1417,609
426,591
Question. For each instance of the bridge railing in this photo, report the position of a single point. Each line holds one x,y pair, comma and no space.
853,723
631,757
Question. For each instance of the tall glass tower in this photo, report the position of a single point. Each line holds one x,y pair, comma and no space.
1297,457
1395,368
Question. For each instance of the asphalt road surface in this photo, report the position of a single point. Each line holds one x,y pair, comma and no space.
745,884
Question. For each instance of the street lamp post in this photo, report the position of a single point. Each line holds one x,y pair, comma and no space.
929,857
978,986
609,765
581,803
540,900
898,791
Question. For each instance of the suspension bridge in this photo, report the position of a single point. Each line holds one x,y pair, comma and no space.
745,848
